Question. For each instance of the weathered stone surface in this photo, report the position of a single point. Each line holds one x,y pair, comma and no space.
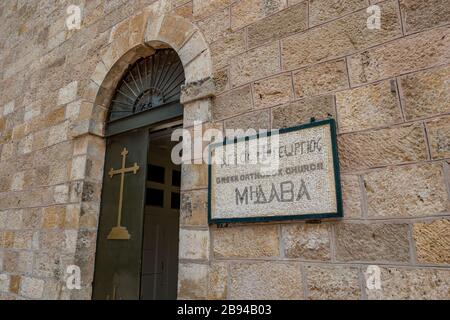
192,281
302,111
273,91
439,137
351,196
246,242
254,120
215,26
221,80
432,241
376,242
184,11
406,191
203,8
194,176
68,93
307,241
194,244
199,110
232,103
263,281
419,15
426,93
254,64
382,147
340,37
279,25
229,46
249,11
415,52
194,208
412,284
324,10
321,78
192,48
32,288
375,105
218,281
198,90
333,282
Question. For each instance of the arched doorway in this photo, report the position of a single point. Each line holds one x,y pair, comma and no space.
137,243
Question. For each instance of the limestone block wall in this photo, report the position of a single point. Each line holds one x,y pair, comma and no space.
275,63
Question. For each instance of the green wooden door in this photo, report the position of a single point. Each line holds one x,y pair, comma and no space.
119,244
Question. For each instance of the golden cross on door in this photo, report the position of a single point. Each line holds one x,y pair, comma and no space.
119,232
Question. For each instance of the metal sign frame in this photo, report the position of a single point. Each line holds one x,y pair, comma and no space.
316,216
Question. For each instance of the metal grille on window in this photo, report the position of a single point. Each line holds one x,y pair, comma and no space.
150,83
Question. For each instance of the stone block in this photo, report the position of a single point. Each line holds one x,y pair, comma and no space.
439,137
279,25
259,120
218,281
351,196
8,108
273,91
202,8
229,46
215,26
408,191
194,176
194,244
376,242
418,15
300,112
199,110
321,78
200,68
382,147
246,242
54,217
333,283
432,241
372,106
266,281
415,52
307,241
194,208
68,93
232,103
221,80
255,64
192,281
192,48
325,10
174,31
32,288
248,11
426,93
412,284
339,38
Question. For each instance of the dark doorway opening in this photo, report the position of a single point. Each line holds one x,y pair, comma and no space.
159,275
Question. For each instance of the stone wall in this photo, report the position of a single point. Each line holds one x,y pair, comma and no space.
275,63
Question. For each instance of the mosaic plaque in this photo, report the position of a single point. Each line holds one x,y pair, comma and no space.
289,174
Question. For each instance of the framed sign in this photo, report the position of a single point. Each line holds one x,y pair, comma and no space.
288,174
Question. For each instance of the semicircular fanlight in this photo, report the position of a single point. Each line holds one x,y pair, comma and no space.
149,83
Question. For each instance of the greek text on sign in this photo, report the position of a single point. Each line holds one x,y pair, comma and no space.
291,174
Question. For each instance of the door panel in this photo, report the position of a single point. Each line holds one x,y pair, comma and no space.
118,262
161,228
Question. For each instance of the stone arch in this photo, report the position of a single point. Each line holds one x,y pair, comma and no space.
135,37
139,36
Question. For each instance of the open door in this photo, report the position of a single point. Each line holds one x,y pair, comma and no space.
119,245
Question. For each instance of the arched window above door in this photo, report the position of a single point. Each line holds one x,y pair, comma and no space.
151,83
